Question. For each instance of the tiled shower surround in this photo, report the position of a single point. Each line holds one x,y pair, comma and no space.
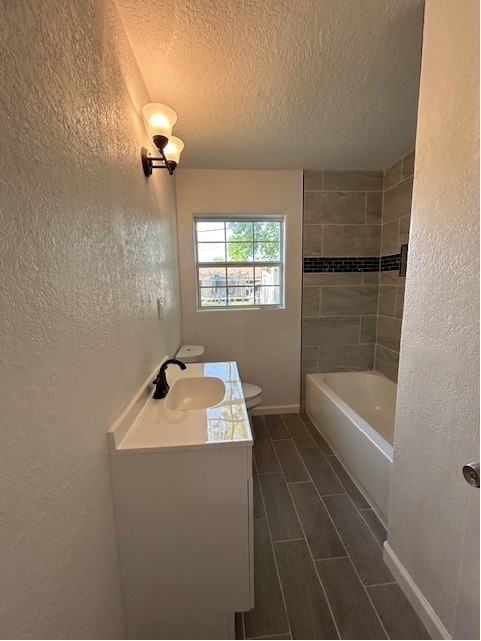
353,298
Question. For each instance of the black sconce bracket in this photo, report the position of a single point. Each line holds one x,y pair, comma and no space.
148,162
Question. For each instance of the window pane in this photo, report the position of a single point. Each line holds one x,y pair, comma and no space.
267,231
268,295
212,277
240,277
239,231
211,232
239,252
240,296
213,297
268,275
211,252
267,252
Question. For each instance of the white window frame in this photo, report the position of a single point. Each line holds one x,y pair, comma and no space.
229,218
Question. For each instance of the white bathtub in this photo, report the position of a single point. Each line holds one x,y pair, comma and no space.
354,411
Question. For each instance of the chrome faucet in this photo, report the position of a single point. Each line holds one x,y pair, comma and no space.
162,387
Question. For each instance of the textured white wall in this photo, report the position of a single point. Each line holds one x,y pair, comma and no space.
437,417
87,245
265,343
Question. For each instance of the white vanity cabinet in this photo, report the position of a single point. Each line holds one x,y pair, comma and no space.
184,519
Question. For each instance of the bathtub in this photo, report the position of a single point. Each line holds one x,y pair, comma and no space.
354,411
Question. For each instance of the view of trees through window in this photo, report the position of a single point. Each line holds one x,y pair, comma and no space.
239,262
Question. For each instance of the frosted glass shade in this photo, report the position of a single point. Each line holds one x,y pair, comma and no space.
173,149
159,118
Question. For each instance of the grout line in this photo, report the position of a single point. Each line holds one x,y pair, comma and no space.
369,527
314,564
370,600
274,555
272,636
403,180
352,563
332,558
289,540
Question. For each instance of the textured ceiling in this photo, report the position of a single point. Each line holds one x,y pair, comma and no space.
283,83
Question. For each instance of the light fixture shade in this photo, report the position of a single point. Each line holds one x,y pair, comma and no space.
173,149
160,119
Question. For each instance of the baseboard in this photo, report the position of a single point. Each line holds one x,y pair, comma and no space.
275,409
420,604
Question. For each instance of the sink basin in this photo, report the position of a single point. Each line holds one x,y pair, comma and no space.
195,393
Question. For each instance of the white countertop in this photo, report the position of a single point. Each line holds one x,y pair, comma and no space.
158,429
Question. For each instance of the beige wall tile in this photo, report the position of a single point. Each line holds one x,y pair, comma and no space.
342,358
404,224
351,240
399,301
398,201
387,300
391,278
310,353
310,301
353,180
368,329
374,207
389,332
313,180
312,240
334,207
370,278
330,331
408,165
390,238
330,278
387,362
340,301
393,175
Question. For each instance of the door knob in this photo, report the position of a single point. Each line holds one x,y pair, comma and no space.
471,473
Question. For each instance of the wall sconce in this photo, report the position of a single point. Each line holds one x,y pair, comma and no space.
160,120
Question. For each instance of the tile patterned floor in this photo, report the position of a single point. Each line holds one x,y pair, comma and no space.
319,572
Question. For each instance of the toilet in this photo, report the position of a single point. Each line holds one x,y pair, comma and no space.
193,354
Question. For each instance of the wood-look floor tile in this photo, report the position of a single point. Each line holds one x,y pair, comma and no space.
325,480
266,459
321,535
316,435
351,607
276,426
259,512
278,636
259,425
291,463
358,499
283,521
298,431
269,616
307,608
396,613
375,525
358,540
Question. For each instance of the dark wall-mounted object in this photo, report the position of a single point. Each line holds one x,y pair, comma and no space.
404,260
148,162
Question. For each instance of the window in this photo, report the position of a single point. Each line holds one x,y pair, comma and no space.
239,261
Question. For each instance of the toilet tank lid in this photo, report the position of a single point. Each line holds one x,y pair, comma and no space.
190,351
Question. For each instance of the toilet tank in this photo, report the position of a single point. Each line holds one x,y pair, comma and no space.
190,353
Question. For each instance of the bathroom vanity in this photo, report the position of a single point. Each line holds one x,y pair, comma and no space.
182,482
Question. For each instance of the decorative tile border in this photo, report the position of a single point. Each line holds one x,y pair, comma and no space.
390,263
351,263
